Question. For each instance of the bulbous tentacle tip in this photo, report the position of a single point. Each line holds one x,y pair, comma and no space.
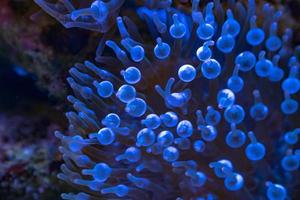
96,17
59,135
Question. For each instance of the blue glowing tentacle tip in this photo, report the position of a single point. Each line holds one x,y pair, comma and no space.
105,88
199,146
177,29
288,105
233,181
145,137
264,66
225,98
176,99
277,73
234,114
169,119
273,42
291,137
291,84
218,167
291,161
152,121
105,136
259,110
165,138
232,26
101,172
135,50
136,108
226,41
246,61
131,75
206,29
275,191
198,178
204,52
126,93
187,73
208,133
112,120
211,69
119,190
170,154
98,10
236,137
235,82
212,117
184,129
255,150
132,154
162,50
255,35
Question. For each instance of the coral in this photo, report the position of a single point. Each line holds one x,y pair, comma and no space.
28,159
22,45
27,171
198,112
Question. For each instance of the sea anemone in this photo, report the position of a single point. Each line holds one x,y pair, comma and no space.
206,109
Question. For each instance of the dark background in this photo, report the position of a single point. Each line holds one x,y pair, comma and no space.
34,59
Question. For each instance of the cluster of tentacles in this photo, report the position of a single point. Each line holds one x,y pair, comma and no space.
207,110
